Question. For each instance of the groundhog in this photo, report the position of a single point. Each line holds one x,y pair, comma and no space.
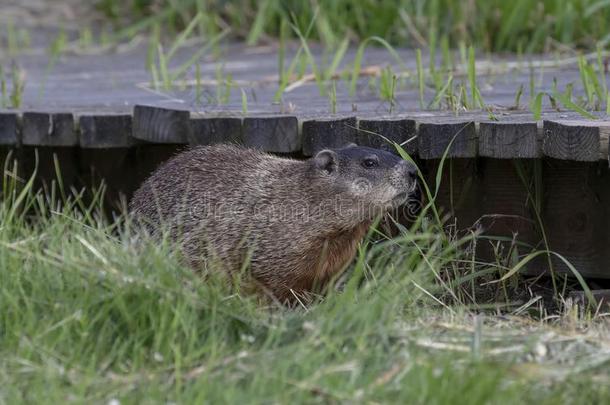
293,224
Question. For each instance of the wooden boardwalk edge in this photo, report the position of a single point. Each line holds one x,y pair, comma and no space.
564,137
501,165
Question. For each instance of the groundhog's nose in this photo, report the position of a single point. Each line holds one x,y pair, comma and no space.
410,170
412,173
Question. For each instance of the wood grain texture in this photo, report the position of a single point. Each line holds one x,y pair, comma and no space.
503,200
509,140
435,137
571,215
272,134
458,197
105,131
49,129
47,161
214,130
115,164
372,131
585,141
161,125
9,131
328,133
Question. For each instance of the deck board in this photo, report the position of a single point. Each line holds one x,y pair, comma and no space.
118,84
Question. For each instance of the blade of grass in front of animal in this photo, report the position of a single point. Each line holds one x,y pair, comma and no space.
403,154
535,198
569,265
420,77
438,177
25,191
442,161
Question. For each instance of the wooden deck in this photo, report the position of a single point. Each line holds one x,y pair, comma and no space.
109,100
508,173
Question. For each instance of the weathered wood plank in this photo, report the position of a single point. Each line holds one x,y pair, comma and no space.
371,132
49,129
214,130
105,131
459,194
503,206
435,137
9,131
572,216
161,125
585,141
49,161
328,133
272,134
509,140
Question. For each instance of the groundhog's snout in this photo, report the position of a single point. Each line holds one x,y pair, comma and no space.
404,177
404,180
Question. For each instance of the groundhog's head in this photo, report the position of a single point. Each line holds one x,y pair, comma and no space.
378,179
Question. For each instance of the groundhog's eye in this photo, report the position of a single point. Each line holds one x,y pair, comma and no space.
368,163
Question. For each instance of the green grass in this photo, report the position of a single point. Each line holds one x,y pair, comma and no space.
90,313
493,25
435,26
17,84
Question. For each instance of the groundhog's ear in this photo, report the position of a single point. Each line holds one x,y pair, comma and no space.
326,161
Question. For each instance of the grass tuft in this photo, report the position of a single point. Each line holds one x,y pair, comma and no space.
93,312
499,26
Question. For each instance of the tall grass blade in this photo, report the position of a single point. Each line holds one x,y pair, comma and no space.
536,106
197,55
521,265
360,54
420,77
259,22
183,36
573,106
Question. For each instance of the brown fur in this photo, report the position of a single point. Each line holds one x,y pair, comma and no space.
235,204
